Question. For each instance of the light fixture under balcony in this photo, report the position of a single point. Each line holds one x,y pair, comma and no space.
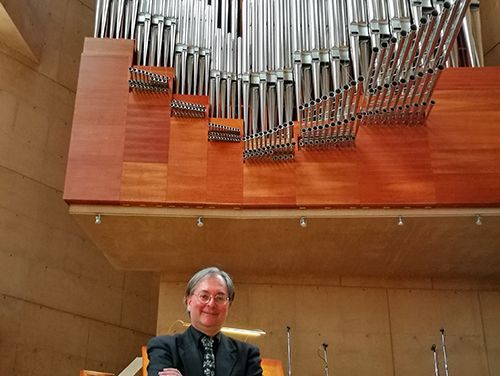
479,220
303,222
401,221
200,222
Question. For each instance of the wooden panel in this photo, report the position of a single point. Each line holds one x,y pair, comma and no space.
106,46
148,123
395,167
146,137
224,172
272,367
480,190
144,182
96,148
187,177
85,372
269,183
327,177
469,78
145,360
432,165
465,138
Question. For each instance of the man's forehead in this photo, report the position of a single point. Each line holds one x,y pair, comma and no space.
212,281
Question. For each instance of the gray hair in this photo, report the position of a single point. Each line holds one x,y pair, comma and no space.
211,271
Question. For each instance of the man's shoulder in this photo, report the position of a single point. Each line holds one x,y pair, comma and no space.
239,344
165,340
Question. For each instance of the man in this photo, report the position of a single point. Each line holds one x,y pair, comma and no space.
202,350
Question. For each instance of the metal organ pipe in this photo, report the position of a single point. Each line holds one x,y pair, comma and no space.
260,60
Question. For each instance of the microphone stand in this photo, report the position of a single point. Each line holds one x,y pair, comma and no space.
325,357
289,349
445,359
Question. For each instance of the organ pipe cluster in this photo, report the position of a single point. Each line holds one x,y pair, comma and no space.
333,119
183,109
223,133
262,60
405,69
276,144
141,80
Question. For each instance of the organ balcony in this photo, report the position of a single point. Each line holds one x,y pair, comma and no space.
138,180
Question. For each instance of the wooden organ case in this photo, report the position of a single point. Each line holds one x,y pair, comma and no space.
150,177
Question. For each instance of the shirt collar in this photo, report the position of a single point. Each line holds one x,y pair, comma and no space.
197,335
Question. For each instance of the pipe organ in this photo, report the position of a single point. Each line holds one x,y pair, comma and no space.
337,89
333,66
349,158
193,88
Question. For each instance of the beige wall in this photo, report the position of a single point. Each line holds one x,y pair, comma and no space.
490,28
373,327
62,306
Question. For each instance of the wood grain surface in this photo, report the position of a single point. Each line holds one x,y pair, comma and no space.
124,143
97,140
224,172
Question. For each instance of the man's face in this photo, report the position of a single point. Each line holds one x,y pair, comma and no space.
210,316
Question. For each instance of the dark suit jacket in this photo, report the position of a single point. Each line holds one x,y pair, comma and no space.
232,358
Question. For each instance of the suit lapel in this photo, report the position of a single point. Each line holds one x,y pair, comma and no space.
190,355
225,358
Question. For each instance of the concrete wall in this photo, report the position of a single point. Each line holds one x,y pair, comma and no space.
62,306
490,29
373,327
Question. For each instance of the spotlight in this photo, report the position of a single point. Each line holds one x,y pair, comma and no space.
479,220
303,222
199,222
401,221
98,220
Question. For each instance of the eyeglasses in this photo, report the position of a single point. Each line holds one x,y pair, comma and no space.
219,299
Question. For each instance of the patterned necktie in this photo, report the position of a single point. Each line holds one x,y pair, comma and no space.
208,357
